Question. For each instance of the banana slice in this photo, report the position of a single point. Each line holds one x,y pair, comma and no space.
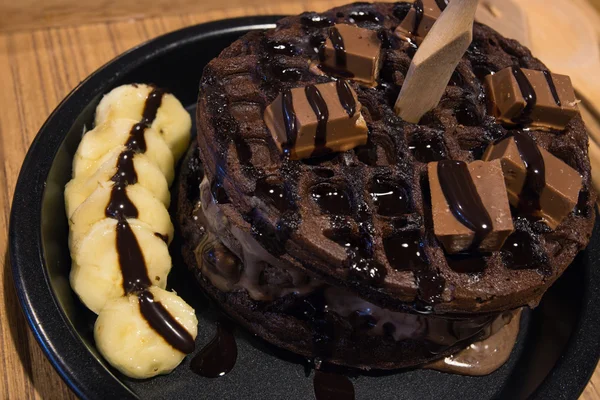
96,274
148,176
131,345
111,134
151,211
172,121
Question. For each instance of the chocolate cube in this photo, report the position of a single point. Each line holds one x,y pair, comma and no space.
420,19
519,96
353,53
550,193
469,205
317,119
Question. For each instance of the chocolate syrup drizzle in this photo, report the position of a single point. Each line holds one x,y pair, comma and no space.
346,97
528,93
330,386
419,11
338,44
463,199
535,180
218,357
289,118
442,4
552,86
131,258
319,107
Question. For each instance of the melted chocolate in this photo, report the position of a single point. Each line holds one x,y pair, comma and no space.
331,199
289,118
153,102
131,259
418,5
364,16
405,251
218,357
165,324
518,252
364,267
389,199
552,86
312,309
137,140
272,193
338,44
319,107
119,205
164,238
442,4
125,174
528,93
466,263
535,181
282,48
316,21
346,97
330,386
464,201
427,150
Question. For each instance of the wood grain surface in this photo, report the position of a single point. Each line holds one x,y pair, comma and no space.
37,69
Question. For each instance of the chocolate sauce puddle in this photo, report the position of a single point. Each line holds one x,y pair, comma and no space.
218,357
319,107
464,201
131,257
330,386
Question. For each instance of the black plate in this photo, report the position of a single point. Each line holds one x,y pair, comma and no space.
555,355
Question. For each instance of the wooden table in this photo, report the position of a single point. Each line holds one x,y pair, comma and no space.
38,67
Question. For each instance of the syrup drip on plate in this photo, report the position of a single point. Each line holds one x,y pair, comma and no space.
218,357
131,257
330,386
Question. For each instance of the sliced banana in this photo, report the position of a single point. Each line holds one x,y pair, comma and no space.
111,134
128,342
151,211
96,274
172,121
148,176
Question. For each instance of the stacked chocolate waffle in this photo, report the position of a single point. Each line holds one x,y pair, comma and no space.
338,253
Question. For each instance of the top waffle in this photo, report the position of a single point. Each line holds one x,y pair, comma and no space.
324,214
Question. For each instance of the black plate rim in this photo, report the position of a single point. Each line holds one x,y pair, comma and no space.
54,333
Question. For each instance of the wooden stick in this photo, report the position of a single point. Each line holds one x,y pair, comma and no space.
436,59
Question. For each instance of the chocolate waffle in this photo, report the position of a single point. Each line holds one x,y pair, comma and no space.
325,217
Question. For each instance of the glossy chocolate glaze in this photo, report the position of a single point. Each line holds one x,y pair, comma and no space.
319,107
535,181
346,97
419,10
289,118
364,16
528,93
338,44
218,357
442,4
552,86
463,199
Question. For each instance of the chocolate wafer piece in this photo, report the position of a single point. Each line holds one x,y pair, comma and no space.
537,182
317,119
353,53
420,19
519,96
469,205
